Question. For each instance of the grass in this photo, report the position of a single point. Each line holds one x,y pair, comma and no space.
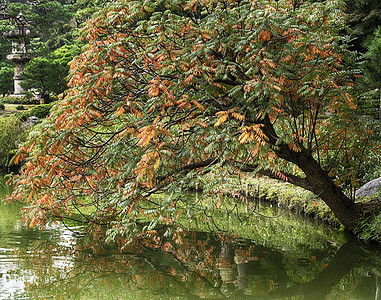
12,107
303,202
293,198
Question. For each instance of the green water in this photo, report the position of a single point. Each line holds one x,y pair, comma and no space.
294,259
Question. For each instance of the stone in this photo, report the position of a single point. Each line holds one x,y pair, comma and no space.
369,188
19,56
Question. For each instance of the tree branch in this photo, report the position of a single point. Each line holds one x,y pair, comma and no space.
295,180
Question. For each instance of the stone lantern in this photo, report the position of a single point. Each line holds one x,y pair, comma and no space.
19,56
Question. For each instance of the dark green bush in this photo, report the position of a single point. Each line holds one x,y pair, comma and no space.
2,107
11,135
20,107
40,111
23,115
19,100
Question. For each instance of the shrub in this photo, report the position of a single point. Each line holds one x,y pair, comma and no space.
12,134
41,111
23,115
2,107
19,100
20,107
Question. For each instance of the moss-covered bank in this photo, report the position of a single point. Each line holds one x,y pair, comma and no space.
304,202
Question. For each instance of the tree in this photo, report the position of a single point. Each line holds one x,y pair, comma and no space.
166,92
372,76
44,75
6,74
364,16
84,9
11,135
51,26
47,21
48,74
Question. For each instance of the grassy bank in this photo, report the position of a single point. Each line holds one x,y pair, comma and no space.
12,107
304,202
247,191
292,198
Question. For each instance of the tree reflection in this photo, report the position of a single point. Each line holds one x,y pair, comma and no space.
353,254
197,265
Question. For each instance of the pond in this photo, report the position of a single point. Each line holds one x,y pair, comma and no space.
290,258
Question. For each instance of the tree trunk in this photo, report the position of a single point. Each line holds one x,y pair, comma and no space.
346,211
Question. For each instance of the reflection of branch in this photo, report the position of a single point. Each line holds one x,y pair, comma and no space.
179,282
189,270
208,283
348,257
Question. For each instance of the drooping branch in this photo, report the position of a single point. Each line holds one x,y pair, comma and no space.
200,164
295,180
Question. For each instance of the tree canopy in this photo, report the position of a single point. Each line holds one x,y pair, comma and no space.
364,16
48,74
51,27
166,92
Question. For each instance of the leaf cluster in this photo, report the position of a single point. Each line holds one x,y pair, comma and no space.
166,92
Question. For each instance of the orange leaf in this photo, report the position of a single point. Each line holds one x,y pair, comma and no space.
264,36
157,163
221,120
153,91
30,196
120,111
31,224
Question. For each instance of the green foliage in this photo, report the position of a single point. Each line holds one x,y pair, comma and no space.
12,134
41,111
45,75
369,227
364,16
2,107
372,63
84,9
19,100
369,91
6,78
64,55
48,74
49,21
20,107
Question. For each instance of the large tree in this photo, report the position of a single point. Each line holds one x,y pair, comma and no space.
47,75
51,25
167,91
364,16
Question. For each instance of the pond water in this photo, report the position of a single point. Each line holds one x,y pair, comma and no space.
296,258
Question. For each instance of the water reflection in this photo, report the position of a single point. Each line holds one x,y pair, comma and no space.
192,265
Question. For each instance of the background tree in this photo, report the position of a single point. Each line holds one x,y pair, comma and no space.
52,25
11,135
364,16
48,75
44,76
6,75
371,79
166,92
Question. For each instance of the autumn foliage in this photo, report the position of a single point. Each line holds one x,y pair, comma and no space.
167,91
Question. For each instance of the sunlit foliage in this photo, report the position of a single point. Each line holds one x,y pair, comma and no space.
11,135
168,91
